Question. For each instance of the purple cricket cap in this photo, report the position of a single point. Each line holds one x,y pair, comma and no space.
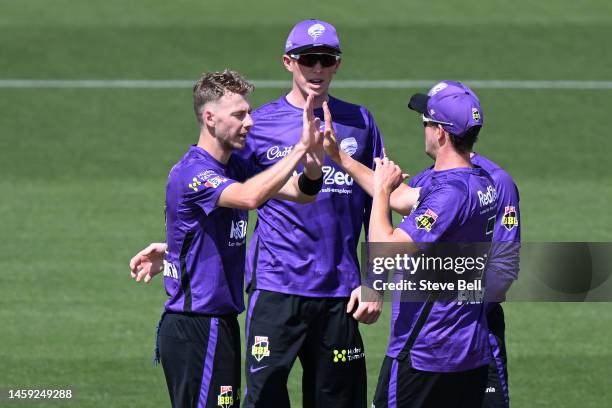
452,104
312,33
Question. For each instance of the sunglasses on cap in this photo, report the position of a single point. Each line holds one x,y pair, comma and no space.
429,121
310,60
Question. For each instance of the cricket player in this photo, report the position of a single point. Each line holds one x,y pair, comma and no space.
302,267
207,197
438,351
503,263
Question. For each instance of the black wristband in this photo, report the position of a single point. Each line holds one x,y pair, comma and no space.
308,186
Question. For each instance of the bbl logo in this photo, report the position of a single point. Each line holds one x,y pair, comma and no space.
509,220
426,220
225,399
475,114
260,348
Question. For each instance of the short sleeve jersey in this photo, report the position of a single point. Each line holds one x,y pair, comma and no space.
310,249
204,265
457,205
504,257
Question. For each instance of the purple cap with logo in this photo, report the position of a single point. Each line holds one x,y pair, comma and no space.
312,33
452,104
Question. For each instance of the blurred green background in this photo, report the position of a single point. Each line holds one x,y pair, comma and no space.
84,170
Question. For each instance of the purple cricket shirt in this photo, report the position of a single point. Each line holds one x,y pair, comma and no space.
504,258
454,336
204,265
310,249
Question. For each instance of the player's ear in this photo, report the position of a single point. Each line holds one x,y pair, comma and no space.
208,117
337,66
287,63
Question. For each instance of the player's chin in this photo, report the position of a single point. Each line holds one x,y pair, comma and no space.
240,143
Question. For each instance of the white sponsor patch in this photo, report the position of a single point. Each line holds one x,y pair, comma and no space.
489,197
277,152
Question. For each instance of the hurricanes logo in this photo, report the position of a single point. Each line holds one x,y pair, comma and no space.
437,88
339,356
510,220
475,114
349,145
315,31
195,184
260,348
225,399
426,220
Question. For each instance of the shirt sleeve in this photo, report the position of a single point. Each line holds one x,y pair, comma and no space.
507,227
438,211
202,188
505,252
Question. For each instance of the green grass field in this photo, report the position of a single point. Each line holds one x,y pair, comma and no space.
84,170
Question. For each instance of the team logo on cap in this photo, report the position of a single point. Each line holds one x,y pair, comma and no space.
509,220
225,399
315,31
349,145
475,114
260,348
426,220
437,88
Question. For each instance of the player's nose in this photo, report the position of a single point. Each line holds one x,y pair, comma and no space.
248,122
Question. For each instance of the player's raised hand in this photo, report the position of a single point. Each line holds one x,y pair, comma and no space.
310,125
148,262
387,175
330,142
312,139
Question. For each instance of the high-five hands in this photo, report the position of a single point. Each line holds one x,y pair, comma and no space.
312,139
329,136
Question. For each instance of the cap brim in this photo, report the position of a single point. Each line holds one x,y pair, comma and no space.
418,102
305,48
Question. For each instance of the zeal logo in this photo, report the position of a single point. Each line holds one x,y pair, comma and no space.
238,229
489,197
333,176
225,399
260,348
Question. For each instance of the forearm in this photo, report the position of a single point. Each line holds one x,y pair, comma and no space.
291,191
381,229
263,186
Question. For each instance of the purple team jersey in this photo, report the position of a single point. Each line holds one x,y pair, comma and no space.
457,205
204,265
310,249
504,258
